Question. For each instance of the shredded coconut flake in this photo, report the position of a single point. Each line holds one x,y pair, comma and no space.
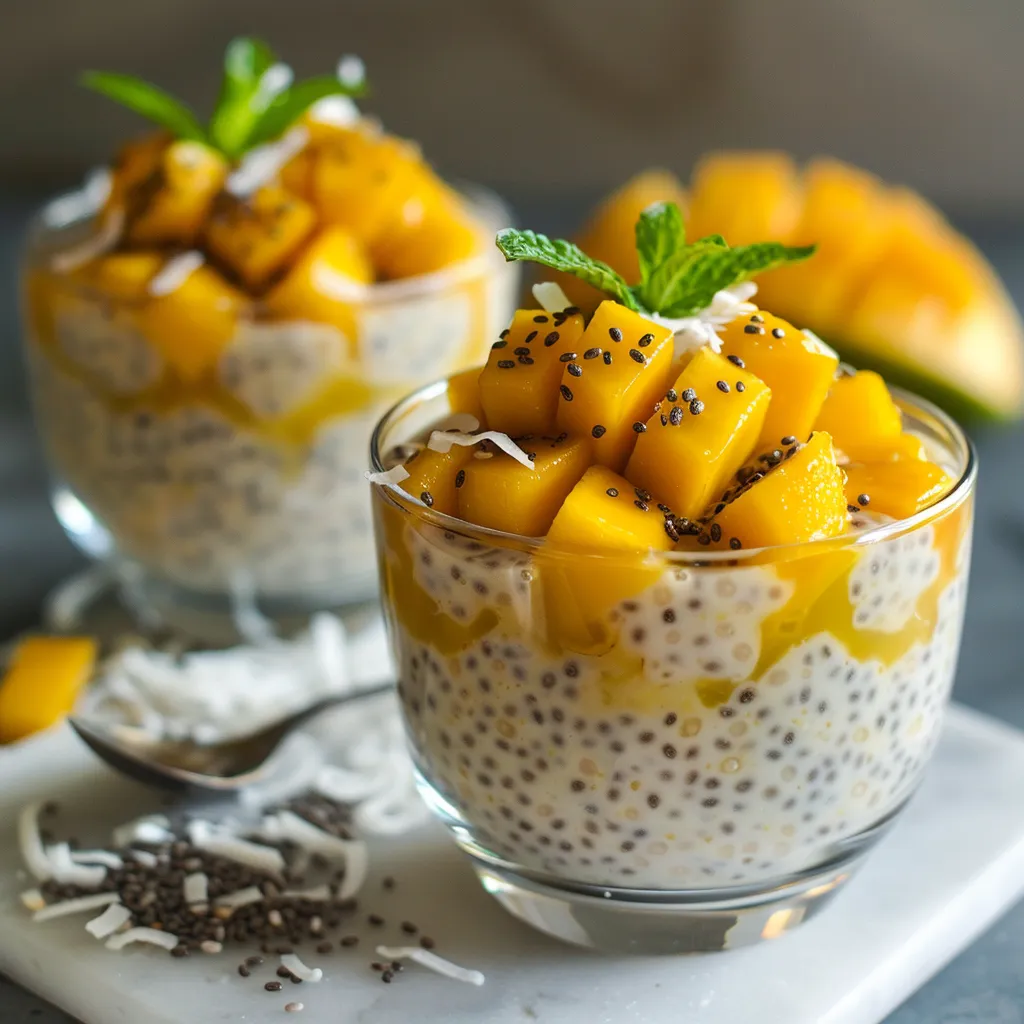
240,898
353,853
315,894
351,71
175,272
150,828
815,344
433,961
550,296
464,422
195,889
262,164
76,906
33,853
145,858
223,843
393,476
115,917
107,235
67,872
442,441
152,936
292,963
104,857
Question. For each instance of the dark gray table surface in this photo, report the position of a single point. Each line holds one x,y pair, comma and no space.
985,984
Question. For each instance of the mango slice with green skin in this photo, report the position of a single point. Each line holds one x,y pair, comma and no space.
191,325
170,206
603,514
256,236
322,283
897,489
798,500
434,477
464,394
45,676
747,197
860,415
500,493
798,369
624,367
689,458
519,385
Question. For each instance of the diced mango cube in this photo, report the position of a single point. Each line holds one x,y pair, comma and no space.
191,325
625,366
602,515
799,499
42,683
464,394
897,489
434,477
124,276
256,236
797,367
747,197
694,445
170,205
906,446
860,412
363,182
519,384
325,283
502,494
434,231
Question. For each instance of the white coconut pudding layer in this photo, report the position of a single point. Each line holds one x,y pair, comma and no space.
740,724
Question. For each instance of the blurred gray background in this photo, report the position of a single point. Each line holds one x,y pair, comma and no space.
567,97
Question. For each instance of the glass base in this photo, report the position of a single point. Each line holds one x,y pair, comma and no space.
657,922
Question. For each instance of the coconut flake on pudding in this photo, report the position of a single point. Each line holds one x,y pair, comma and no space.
550,296
175,272
442,441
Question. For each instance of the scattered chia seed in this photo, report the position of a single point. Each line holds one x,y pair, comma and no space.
598,431
566,393
607,359
427,498
688,395
612,492
863,500
506,364
740,386
696,407
273,986
637,356
530,337
716,532
675,417
736,361
642,505
427,942
409,928
615,334
734,543
639,428
723,387
753,329
460,478
540,318
499,344
591,353
567,357
575,370
778,332
646,340
550,339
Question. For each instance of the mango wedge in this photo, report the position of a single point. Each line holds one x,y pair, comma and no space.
798,499
694,445
860,415
798,369
519,384
898,488
624,367
434,477
43,681
502,494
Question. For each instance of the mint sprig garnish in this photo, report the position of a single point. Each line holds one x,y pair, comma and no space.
676,279
516,245
258,100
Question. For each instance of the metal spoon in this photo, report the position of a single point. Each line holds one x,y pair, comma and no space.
184,764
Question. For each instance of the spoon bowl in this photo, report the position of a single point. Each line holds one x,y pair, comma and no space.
186,765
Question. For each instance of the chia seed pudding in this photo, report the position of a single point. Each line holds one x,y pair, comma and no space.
249,474
746,719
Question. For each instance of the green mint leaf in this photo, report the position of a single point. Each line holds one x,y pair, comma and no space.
713,240
659,233
246,61
292,103
558,254
712,268
148,100
669,278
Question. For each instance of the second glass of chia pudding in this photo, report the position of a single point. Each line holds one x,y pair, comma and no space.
214,325
657,732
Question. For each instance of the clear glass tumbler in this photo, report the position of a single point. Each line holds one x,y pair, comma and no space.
672,752
234,467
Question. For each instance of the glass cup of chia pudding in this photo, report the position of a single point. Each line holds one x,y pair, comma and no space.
677,750
211,342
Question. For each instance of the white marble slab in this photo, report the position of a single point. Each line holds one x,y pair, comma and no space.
947,870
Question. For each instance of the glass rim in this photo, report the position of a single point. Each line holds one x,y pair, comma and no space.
78,205
964,451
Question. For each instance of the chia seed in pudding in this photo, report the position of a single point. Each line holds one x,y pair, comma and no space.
741,721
